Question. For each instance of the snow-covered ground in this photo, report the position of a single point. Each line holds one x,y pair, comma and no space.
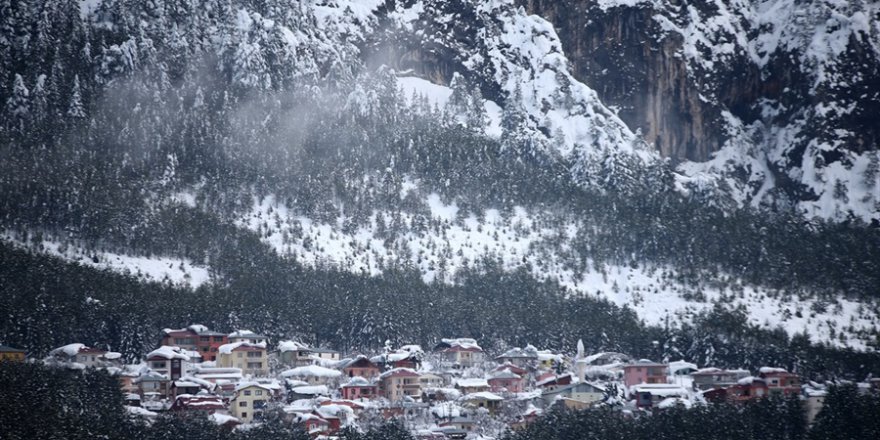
439,95
439,245
155,268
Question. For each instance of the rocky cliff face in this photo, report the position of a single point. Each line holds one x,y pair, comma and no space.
775,97
621,53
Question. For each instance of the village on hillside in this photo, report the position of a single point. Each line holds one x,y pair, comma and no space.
453,390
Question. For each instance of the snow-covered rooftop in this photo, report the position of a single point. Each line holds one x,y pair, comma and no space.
168,352
357,381
229,348
317,390
471,383
399,372
284,346
682,365
311,371
222,419
245,334
772,370
483,395
69,349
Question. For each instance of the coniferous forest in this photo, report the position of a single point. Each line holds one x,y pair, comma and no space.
107,117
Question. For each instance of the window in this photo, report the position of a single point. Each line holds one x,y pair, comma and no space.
244,415
255,365
242,404
213,349
254,354
205,338
247,392
158,364
258,392
205,349
239,354
218,338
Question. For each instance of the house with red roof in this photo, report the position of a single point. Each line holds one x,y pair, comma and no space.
780,381
552,381
361,366
195,338
313,424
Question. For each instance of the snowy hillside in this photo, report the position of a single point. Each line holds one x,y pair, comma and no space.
798,135
440,244
174,271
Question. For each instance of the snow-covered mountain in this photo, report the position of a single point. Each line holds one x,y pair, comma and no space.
768,103
664,156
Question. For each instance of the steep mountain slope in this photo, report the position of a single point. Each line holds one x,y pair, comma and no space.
772,101
432,142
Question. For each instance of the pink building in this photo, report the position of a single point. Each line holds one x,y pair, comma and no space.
505,380
779,381
358,388
644,371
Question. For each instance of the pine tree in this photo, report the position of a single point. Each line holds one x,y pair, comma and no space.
18,106
40,103
75,107
513,121
477,118
459,102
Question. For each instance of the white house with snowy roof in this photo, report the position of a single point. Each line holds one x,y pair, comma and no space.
80,356
295,354
169,361
483,399
647,395
473,385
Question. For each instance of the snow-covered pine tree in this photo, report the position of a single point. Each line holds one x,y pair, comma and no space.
75,108
18,106
39,101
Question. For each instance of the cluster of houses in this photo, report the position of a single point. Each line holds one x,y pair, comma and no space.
453,390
